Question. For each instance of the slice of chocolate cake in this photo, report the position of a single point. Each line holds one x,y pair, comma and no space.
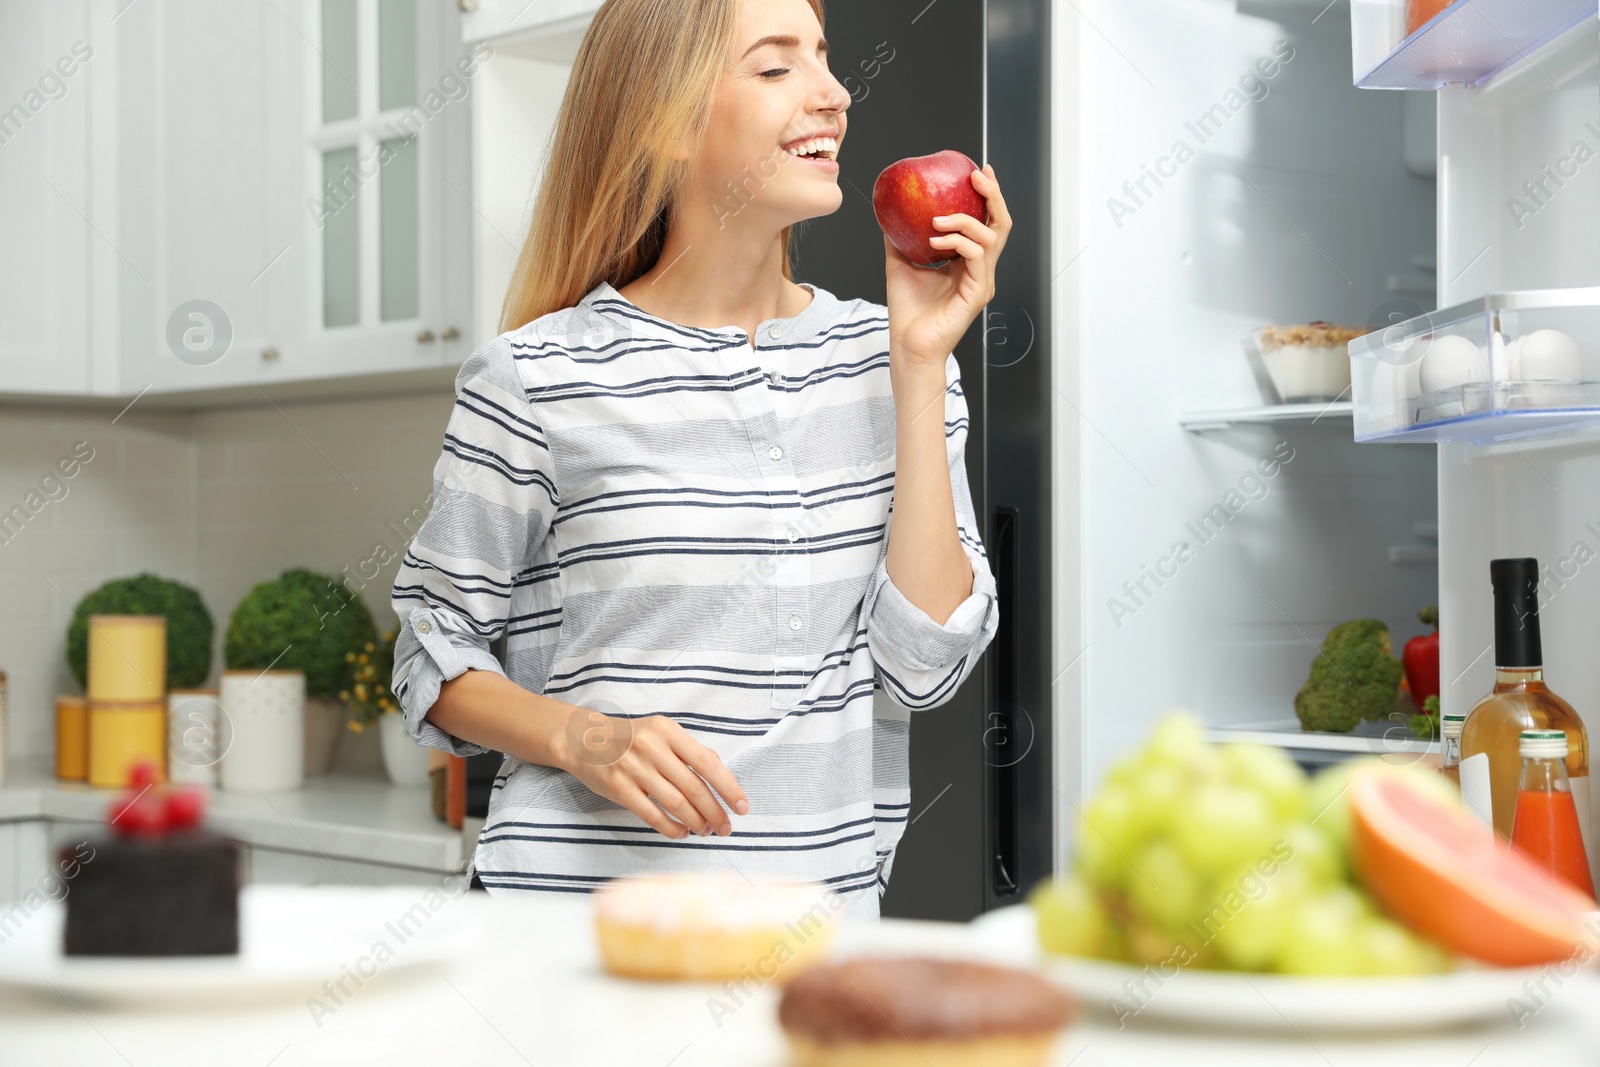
160,885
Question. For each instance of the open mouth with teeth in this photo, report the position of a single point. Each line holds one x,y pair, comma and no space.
816,149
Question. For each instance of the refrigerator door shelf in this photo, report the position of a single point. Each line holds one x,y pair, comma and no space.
1467,43
1504,367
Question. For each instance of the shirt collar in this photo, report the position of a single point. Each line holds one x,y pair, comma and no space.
605,300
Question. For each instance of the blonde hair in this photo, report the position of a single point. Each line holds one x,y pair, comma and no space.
646,75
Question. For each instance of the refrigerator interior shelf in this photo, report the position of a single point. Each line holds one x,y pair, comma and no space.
1504,367
1467,43
1368,739
1201,421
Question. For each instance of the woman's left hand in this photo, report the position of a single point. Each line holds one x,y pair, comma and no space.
930,309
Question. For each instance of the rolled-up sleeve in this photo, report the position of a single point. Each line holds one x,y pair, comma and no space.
494,495
921,663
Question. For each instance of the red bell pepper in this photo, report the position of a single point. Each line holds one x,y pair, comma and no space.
1421,658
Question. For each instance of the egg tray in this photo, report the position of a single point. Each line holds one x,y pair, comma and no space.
1488,398
1506,365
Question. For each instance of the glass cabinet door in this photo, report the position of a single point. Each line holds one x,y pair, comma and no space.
359,197
367,137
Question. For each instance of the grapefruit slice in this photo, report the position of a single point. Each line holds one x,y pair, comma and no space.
1448,876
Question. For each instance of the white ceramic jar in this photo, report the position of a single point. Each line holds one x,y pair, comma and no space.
194,721
263,737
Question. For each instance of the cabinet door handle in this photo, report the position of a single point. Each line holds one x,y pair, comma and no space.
424,337
269,353
467,7
450,334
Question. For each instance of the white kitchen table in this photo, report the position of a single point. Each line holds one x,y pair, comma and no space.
528,990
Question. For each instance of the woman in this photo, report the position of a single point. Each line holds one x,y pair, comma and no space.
669,484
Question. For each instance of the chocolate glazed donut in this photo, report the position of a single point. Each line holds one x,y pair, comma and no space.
920,1004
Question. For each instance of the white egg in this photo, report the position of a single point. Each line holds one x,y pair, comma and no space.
1406,354
1453,361
1546,355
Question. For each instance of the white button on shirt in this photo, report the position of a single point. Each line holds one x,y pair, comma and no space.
774,333
608,454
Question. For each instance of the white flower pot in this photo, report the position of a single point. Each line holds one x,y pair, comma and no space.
263,734
405,761
325,726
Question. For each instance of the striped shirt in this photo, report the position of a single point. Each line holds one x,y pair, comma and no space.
666,520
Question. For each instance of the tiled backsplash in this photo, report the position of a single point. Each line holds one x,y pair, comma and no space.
221,499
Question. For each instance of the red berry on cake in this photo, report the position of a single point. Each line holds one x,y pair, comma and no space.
182,809
142,774
138,816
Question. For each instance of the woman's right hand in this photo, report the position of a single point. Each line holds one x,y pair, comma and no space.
629,761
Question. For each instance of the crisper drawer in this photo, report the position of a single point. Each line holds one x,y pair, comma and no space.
1509,365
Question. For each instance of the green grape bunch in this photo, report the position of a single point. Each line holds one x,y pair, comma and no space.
1222,856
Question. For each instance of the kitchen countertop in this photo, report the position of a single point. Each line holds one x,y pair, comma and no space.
343,816
527,988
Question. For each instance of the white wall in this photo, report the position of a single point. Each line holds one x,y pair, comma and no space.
221,500
133,505
1294,207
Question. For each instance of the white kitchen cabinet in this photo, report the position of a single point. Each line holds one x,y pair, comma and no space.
189,147
25,861
504,19
270,865
28,849
368,181
47,65
8,863
36,865
200,205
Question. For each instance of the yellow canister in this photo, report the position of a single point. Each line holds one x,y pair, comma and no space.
127,658
72,738
122,734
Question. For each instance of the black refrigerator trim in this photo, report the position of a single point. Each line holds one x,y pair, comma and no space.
970,76
1019,761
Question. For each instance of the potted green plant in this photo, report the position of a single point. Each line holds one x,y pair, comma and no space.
306,622
370,704
190,630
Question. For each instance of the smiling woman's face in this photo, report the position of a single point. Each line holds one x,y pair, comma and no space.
776,94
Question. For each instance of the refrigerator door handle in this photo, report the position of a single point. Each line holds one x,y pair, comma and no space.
1002,731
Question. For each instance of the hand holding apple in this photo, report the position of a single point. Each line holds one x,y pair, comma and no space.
938,211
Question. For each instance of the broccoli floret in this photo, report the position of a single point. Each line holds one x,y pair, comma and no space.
1356,677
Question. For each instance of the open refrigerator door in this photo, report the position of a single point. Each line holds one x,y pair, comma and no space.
1505,378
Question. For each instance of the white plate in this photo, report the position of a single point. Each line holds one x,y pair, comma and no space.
1231,999
292,940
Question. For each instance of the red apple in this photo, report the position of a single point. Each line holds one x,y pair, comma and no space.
909,194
